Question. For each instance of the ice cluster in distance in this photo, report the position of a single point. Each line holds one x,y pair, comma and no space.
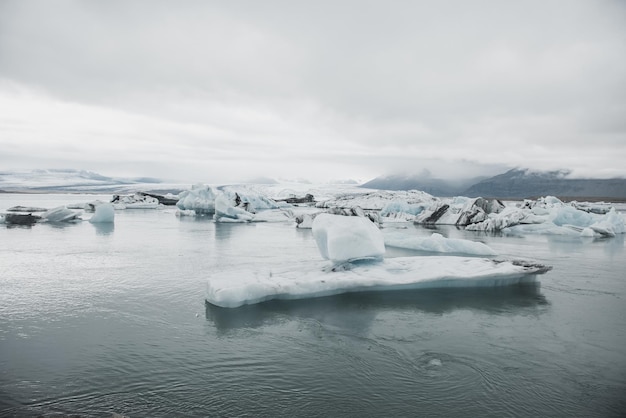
549,215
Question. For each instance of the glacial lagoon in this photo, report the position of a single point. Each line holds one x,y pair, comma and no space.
112,318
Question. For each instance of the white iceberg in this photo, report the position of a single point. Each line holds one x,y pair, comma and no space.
200,199
437,243
249,199
305,220
104,213
342,238
227,211
231,289
227,203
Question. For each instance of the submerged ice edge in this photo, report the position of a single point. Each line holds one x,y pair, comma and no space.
232,289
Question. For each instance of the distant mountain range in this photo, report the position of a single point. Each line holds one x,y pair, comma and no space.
70,180
514,184
425,183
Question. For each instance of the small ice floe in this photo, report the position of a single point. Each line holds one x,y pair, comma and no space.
60,214
137,201
20,208
20,219
228,209
305,220
200,199
104,213
435,363
343,238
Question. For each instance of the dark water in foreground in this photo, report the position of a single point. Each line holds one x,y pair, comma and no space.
96,320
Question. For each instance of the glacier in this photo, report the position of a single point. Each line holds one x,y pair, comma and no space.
60,214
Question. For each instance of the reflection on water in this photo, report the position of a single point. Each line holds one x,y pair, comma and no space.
356,310
104,228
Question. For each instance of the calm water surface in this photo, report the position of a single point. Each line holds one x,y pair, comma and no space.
103,319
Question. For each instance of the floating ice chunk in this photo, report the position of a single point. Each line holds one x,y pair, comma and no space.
200,199
20,208
341,238
305,220
273,215
185,212
403,211
247,199
437,243
435,362
226,211
568,215
610,224
60,214
105,213
234,288
21,218
136,201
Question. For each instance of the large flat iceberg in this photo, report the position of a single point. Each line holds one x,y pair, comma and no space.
234,288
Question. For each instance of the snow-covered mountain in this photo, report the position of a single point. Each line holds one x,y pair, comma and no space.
425,183
525,183
514,184
70,180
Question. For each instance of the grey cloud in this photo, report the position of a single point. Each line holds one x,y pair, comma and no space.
492,82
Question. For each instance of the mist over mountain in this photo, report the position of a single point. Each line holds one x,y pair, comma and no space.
523,183
423,182
513,184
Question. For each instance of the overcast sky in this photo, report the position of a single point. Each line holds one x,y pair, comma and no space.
223,91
